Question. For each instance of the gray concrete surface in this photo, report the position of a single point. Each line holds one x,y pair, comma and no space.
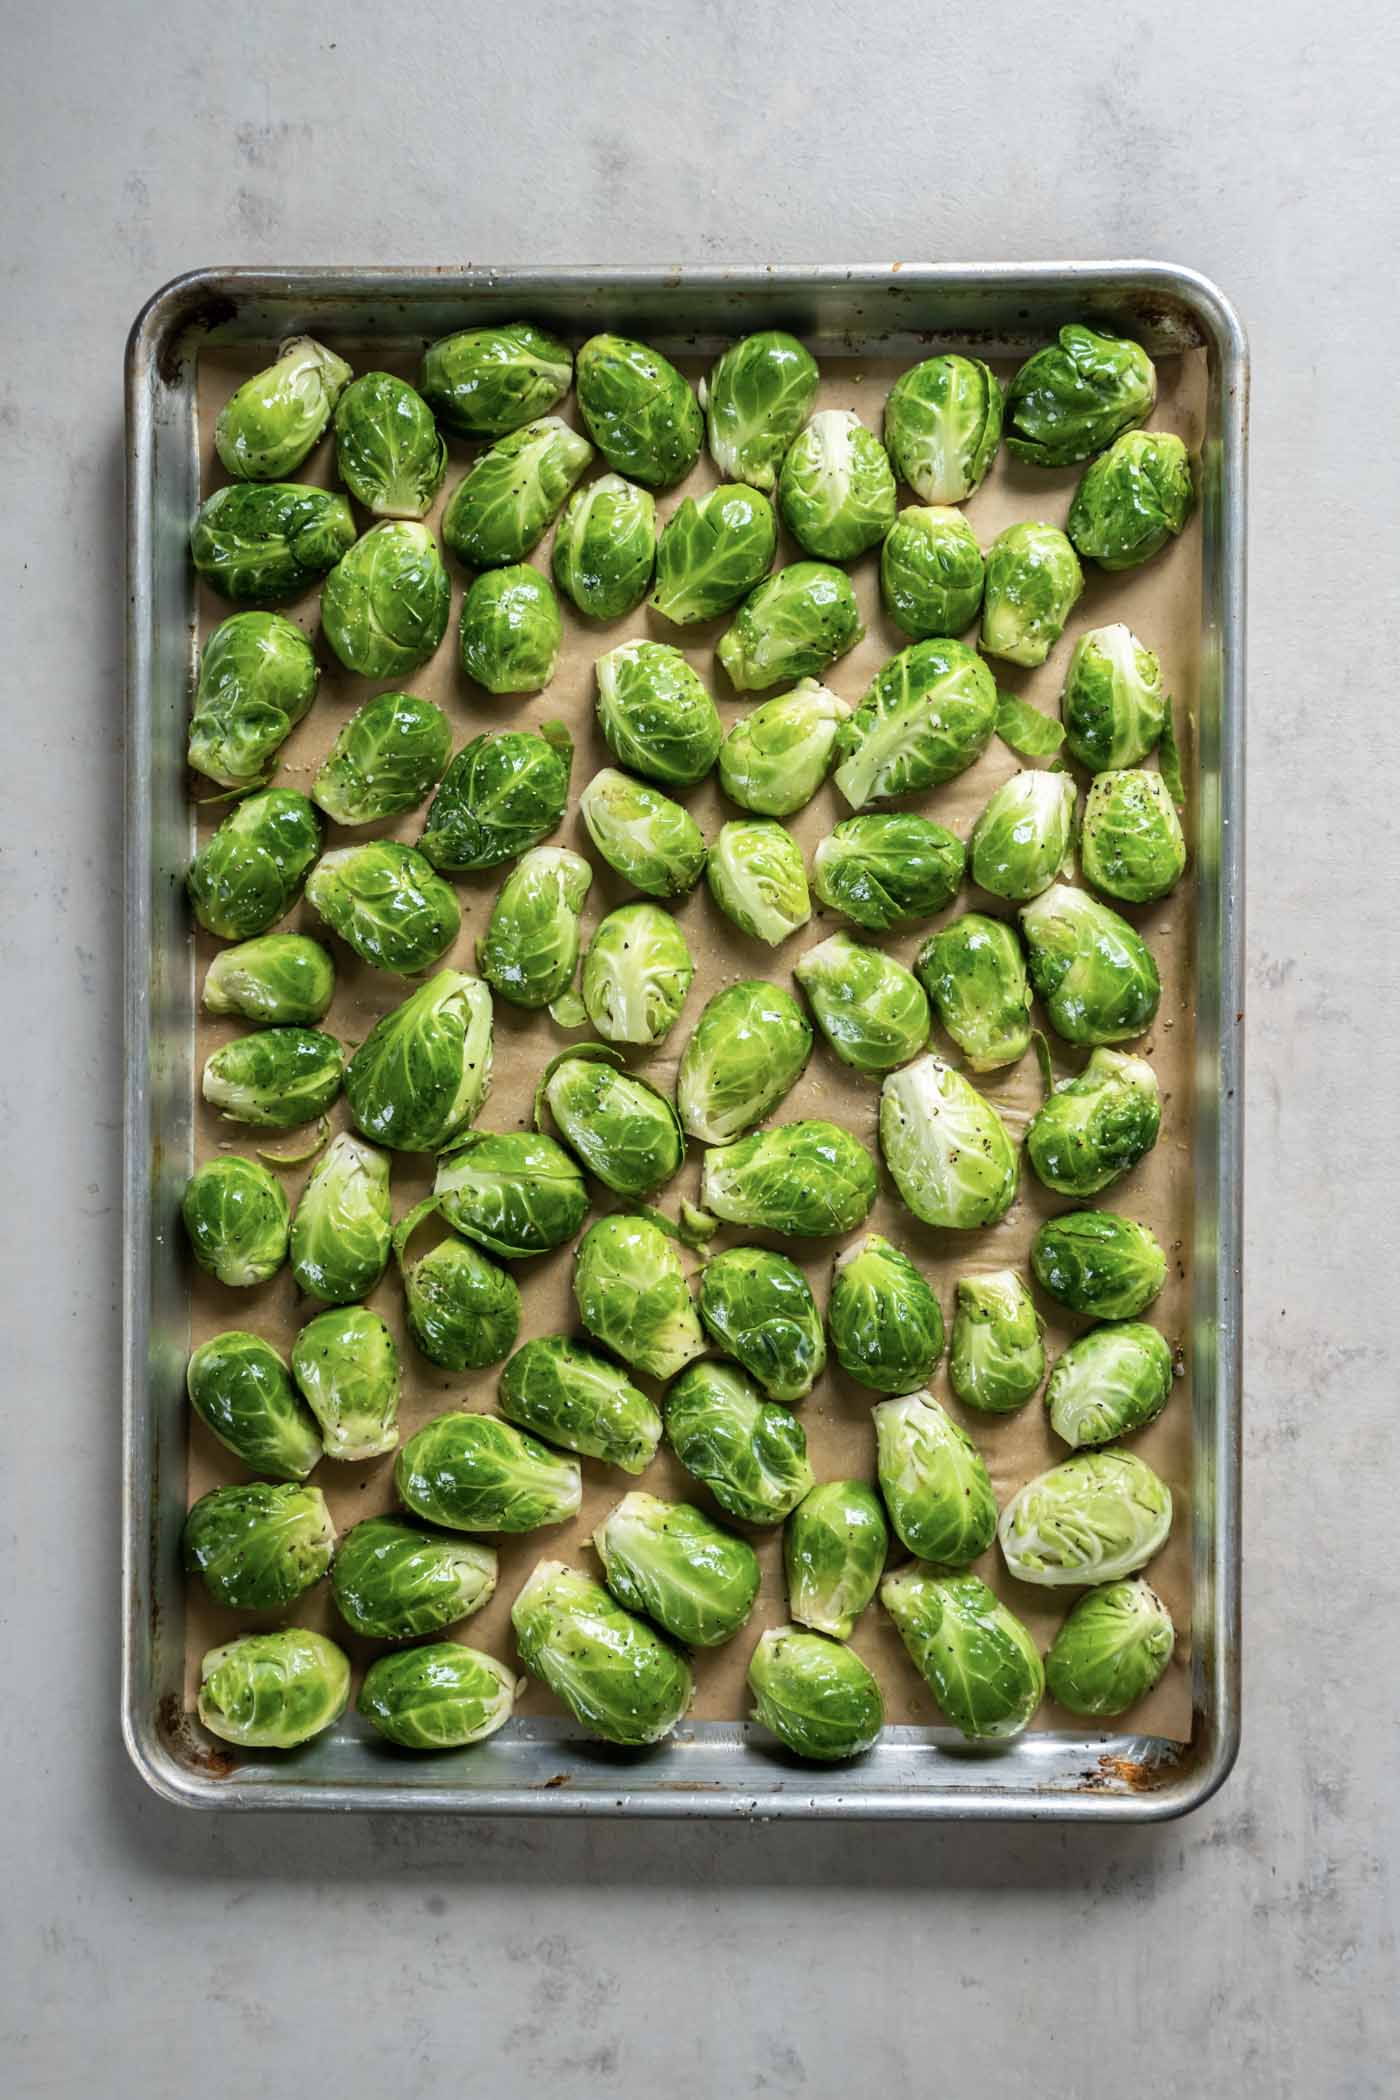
1250,1951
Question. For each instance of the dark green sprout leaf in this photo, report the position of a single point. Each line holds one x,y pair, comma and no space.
1093,972
1169,760
273,1690
712,552
395,1581
439,1697
807,1179
1132,499
502,794
885,1321
483,382
237,1219
639,411
476,1473
275,1079
463,1310
268,427
1077,395
257,678
1096,1126
605,547
504,503
387,757
623,1130
240,1387
749,1452
247,875
270,540
387,447
384,606
1099,1264
259,1546
655,714
387,903
1111,1650
615,1674
511,630
928,714
974,971
423,1072
758,1307
888,869
931,572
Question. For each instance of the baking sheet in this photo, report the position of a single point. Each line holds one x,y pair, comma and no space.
1162,603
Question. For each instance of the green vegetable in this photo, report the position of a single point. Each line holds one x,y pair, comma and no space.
1022,838
502,793
387,903
624,1131
776,757
275,1079
422,1072
476,1473
934,1481
269,541
463,1310
394,1581
614,1672
1099,1264
931,572
974,1655
259,1545
1093,972
385,604
273,1690
347,1367
1093,1518
248,874
240,1388
1113,1380
511,630
946,1147
605,547
440,1697
1095,1126
237,1219
746,1051
796,623
943,426
574,1397
749,1452
341,1231
888,869
507,498
836,489
815,1695
871,1010
807,1179
529,951
758,1308
1111,1651
712,552
1077,395
257,678
636,974
387,447
268,427
277,980
388,756
639,411
756,877
975,974
632,1295
1132,499
649,840
516,1193
1026,729
483,382
928,714
655,714
756,399
1131,845
671,1562
997,1358
834,1546
1034,582
885,1321
1113,704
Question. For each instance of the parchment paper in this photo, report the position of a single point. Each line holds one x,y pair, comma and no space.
1162,604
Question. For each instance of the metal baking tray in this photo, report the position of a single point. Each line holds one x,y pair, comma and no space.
708,1769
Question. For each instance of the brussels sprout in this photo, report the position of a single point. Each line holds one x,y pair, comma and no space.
386,902
463,1310
278,1078
1077,395
1099,1264
639,411
775,758
671,1562
237,1219
815,1694
974,1655
615,1674
502,793
1096,1126
756,877
636,974
886,1325
259,1545
631,1294
476,1473
943,426
385,604
1131,845
975,974
757,1306
936,1487
530,948
387,447
1113,1380
511,630
649,840
342,1230
929,713
1034,582
516,1193
834,1546
257,678
796,623
605,547
997,1358
274,420
1093,1518
574,1397
1113,705
655,713
277,980
271,1691
871,1010
747,1051
624,1131
1022,838
439,1697
422,1073
1111,1650
931,572
750,1453
712,552
887,870
836,488
1132,499
269,541
503,504
1094,973
239,1387
807,1179
756,399
393,1580
387,757
247,875
948,1150
347,1367
483,382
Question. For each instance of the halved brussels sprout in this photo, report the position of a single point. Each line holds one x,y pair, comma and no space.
974,1655
757,397
347,1366
670,1561
624,1131
836,488
834,1547
616,1674
943,426
438,1697
269,426
341,1231
712,552
1093,1518
505,501
387,447
746,1051
477,1473
463,1310
946,1147
974,971
636,974
639,411
1130,844
517,1193
931,572
928,714
271,1691
387,903
749,1452
241,1389
756,877
385,604
248,874
1111,1650
275,1079
605,547
1099,1264
1021,840
793,625
1095,1126
1132,499
871,1010
775,758
269,540
529,951
997,1358
655,714
632,1294
395,1581
935,1483
388,756
646,837
1113,1380
574,1397
503,792
257,678
758,1307
483,382
277,980
888,869
1034,582
237,1218
422,1073
510,630
1077,395
815,1694
1113,705
885,1321
1094,973
807,1179
259,1545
